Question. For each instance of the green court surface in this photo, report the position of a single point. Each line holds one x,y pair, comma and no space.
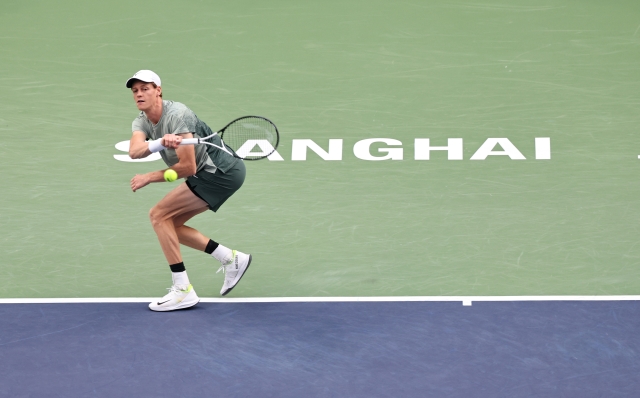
341,70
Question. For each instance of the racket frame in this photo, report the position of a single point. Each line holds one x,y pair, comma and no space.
197,141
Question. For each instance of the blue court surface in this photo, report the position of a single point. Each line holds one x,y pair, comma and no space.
322,349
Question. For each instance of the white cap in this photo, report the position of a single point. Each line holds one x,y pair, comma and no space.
146,76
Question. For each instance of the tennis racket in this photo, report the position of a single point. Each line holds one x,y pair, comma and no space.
243,135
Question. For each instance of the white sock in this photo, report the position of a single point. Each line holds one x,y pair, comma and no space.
180,279
222,254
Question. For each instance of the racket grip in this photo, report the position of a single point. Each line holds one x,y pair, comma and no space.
190,141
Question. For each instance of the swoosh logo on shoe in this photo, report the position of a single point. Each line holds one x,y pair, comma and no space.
160,303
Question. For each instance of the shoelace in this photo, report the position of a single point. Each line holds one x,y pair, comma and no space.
223,267
175,289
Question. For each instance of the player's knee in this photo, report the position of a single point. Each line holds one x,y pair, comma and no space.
156,215
152,215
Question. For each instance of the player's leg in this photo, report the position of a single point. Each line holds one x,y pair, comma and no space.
194,239
189,236
178,202
215,189
233,262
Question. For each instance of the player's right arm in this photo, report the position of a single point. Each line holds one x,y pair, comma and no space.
138,146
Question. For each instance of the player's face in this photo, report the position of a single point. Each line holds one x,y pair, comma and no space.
145,95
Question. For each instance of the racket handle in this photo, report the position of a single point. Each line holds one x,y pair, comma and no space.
190,141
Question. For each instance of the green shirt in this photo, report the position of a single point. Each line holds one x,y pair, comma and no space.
178,119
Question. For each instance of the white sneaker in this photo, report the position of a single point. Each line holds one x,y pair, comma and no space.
177,298
233,269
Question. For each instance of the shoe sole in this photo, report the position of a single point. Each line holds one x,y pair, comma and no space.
181,306
238,281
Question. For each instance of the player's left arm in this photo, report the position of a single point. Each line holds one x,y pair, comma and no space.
185,167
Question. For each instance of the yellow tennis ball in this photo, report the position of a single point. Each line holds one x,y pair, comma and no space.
170,175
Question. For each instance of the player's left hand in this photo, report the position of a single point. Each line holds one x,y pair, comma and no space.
139,181
171,141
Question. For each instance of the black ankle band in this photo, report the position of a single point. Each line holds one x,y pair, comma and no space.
211,246
177,267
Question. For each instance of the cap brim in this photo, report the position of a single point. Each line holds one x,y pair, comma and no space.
133,79
130,82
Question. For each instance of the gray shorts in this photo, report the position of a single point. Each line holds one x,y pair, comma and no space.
216,188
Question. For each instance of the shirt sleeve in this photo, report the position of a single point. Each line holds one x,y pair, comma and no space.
138,125
181,128
178,125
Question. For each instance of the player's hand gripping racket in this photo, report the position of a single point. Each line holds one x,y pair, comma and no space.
243,135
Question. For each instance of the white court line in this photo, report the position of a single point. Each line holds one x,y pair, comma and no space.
466,300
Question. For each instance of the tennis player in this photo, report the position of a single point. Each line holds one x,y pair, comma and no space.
211,177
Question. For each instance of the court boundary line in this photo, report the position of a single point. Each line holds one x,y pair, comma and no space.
466,300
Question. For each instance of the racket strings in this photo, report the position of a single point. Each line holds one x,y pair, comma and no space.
251,137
